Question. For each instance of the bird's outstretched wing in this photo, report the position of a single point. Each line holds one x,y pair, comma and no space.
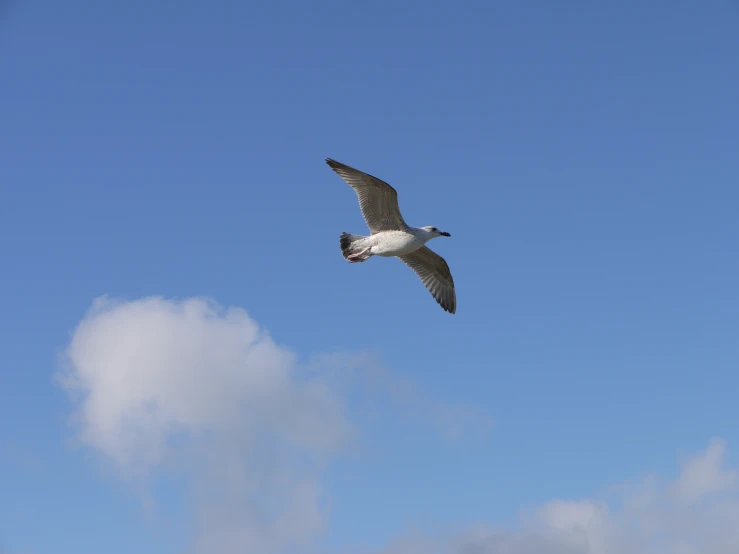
434,273
377,199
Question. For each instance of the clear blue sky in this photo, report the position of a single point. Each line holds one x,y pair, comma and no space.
584,156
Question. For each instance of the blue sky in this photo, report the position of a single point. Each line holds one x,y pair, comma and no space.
582,155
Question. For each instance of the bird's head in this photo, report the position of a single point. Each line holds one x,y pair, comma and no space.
434,232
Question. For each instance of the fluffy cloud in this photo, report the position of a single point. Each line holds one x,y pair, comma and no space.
188,386
191,389
696,513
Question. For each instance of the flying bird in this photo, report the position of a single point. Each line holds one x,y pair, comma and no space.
392,236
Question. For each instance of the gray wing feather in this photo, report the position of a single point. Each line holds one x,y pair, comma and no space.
377,199
435,275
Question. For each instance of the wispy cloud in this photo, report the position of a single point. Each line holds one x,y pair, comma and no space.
365,377
696,513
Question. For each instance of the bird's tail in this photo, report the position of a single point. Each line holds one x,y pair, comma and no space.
351,246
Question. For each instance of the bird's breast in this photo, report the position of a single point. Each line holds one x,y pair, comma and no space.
395,243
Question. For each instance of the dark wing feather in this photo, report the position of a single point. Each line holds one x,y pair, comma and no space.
377,199
435,275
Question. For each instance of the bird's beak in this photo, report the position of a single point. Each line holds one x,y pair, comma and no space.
445,234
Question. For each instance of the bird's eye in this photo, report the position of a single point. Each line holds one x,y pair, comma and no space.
434,229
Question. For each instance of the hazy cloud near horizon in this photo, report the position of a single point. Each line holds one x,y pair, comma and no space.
694,513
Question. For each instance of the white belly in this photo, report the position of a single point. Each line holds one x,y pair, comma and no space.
395,243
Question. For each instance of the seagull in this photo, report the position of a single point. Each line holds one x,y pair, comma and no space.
392,236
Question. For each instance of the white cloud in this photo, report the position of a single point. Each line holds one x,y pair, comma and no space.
189,386
696,513
703,475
